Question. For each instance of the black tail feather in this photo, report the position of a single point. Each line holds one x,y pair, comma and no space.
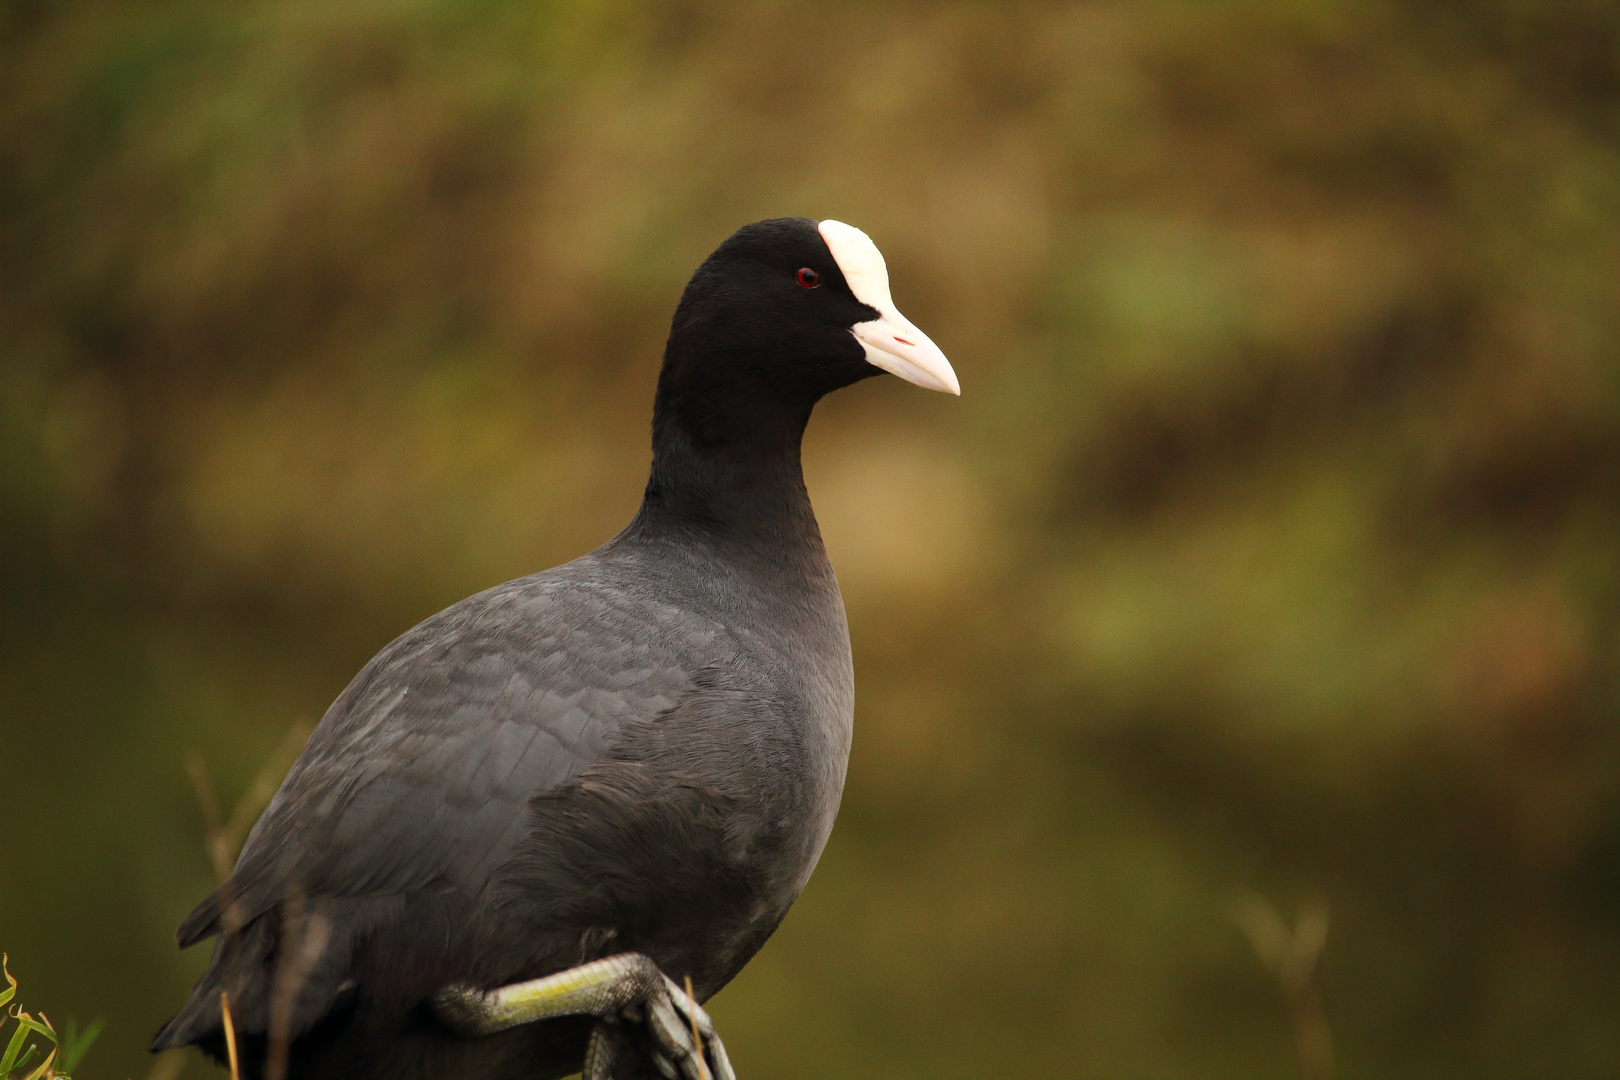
203,922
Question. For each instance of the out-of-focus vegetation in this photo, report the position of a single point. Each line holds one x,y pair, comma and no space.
1273,546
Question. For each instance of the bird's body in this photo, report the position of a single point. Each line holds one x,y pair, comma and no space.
639,751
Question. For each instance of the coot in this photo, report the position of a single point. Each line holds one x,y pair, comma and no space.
532,818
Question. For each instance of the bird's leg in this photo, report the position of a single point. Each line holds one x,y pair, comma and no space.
627,986
601,1052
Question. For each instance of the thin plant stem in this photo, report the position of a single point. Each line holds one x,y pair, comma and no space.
230,1033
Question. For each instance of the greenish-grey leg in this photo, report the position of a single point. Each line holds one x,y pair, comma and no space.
602,1051
624,987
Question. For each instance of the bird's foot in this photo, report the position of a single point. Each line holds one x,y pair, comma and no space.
624,988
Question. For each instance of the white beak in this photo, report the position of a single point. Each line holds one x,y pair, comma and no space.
899,348
890,341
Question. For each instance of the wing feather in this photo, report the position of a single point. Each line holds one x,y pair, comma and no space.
421,773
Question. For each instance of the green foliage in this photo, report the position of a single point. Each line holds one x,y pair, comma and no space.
33,1050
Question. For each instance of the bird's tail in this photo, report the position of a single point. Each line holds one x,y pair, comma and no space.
280,976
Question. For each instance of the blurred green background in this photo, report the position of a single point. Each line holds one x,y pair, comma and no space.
1272,550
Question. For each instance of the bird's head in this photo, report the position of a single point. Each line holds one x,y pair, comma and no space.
790,309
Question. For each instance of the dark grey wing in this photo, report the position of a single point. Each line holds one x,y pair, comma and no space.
421,773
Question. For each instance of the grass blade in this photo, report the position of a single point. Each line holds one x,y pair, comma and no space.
10,991
8,1060
44,1066
77,1043
230,1032
28,1055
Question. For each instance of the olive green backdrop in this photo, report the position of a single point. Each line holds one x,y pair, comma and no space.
1266,569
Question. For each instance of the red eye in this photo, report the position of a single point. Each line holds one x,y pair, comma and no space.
809,278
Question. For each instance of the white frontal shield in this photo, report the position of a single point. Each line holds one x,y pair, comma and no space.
890,341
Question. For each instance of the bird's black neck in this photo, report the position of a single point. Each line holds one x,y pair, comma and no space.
726,470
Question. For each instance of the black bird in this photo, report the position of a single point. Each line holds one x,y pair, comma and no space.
529,814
